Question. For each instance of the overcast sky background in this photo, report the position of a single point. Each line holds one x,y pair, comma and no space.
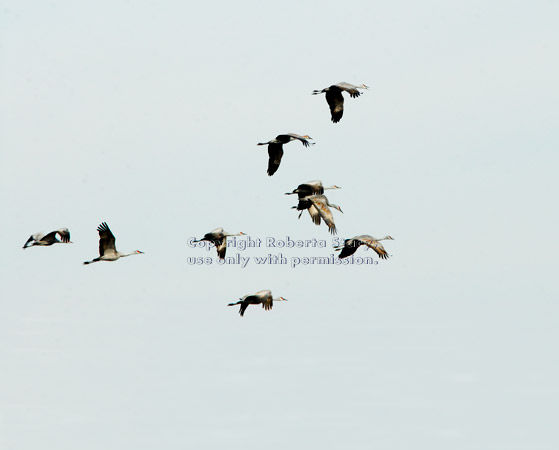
146,115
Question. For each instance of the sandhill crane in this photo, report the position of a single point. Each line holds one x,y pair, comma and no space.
49,239
218,237
306,189
321,210
261,297
335,98
351,245
107,249
275,149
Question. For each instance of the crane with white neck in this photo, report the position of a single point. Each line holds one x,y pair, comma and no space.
262,297
107,248
218,237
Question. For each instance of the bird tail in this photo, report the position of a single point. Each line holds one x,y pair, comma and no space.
315,92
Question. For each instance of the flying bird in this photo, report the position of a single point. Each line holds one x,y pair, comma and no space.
107,249
306,189
275,149
218,237
351,245
320,210
261,297
49,239
335,98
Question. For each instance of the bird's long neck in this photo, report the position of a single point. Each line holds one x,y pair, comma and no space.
232,234
124,255
338,207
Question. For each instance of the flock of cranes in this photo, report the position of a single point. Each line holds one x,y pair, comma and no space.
310,197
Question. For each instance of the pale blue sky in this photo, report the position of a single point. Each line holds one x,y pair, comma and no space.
147,116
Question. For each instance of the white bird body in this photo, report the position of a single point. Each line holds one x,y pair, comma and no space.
107,248
321,210
275,148
43,240
261,297
351,245
335,99
218,237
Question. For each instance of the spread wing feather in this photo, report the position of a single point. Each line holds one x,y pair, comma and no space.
106,240
377,247
221,247
275,152
335,100
325,214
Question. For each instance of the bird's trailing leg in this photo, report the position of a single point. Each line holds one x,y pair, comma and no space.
92,261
